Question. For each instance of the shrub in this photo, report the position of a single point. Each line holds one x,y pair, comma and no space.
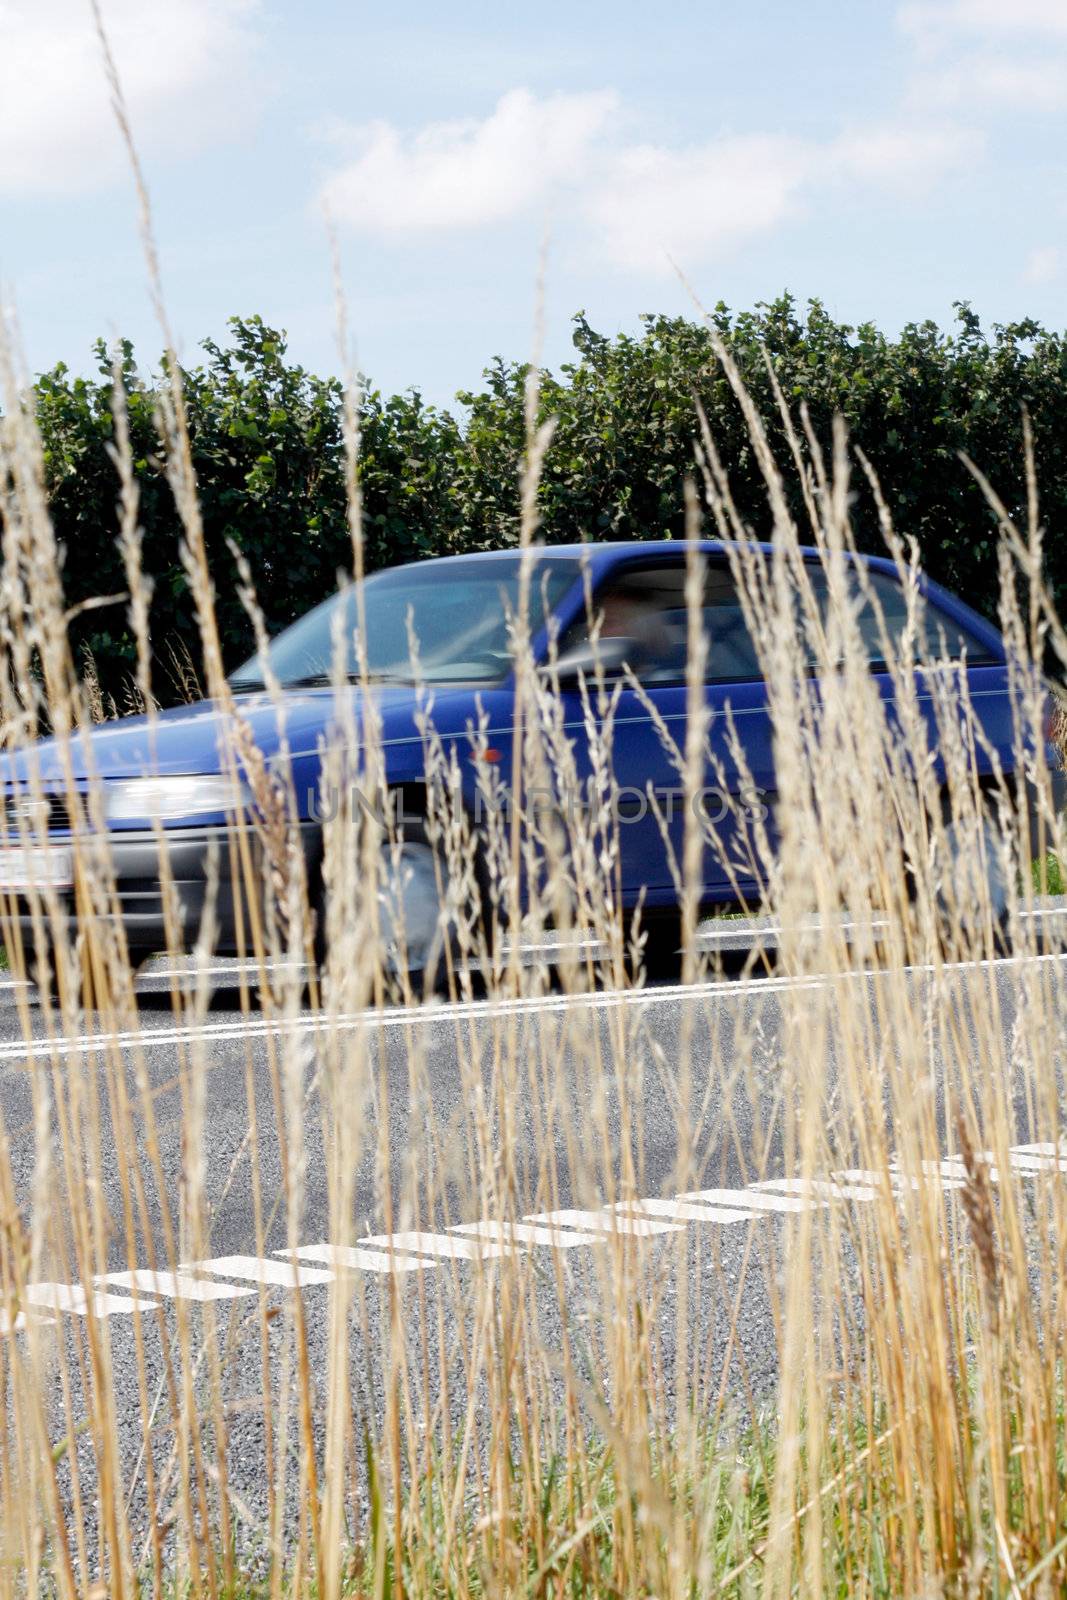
267,448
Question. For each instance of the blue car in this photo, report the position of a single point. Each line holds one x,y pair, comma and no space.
136,781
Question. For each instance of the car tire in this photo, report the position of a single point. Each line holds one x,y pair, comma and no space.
417,942
980,874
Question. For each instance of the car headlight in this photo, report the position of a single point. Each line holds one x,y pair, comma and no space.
167,799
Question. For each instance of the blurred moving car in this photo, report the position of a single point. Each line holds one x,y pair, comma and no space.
166,797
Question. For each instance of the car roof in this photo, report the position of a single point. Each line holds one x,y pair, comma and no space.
657,547
599,550
603,555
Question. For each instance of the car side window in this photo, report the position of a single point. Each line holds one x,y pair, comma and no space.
644,627
882,616
732,654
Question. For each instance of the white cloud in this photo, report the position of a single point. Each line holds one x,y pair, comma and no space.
184,66
904,156
464,174
694,204
636,202
1043,265
697,204
984,56
934,22
989,80
633,205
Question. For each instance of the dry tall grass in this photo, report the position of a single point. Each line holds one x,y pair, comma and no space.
518,1425
542,1421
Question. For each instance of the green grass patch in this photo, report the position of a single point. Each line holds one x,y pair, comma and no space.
1048,875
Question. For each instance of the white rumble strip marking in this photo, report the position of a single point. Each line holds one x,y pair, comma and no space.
341,1255
680,1211
605,1222
528,1233
1026,1161
489,1239
22,1321
174,1285
949,1174
439,1244
71,1297
285,1276
757,1201
897,1180
823,1187
944,1175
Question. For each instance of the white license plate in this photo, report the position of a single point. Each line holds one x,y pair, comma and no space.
36,867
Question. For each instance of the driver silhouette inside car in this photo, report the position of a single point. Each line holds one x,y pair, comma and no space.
647,629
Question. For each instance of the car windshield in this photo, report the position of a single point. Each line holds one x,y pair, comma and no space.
444,621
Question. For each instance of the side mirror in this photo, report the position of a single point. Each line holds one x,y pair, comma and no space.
608,656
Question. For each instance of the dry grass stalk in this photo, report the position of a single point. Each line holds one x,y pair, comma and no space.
555,1422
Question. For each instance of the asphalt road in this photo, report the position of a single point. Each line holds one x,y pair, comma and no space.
649,1096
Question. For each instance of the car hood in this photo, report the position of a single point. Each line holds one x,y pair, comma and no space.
192,739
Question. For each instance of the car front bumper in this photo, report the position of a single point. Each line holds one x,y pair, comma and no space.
224,868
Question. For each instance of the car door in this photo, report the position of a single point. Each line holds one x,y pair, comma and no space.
641,605
948,638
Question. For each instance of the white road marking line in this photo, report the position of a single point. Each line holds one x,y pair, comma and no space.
174,1285
71,1297
933,1180
22,1321
823,1187
752,1200
954,1168
604,1222
528,1233
1029,1166
489,1239
951,1173
1026,1165
285,1276
408,1017
749,932
1037,1164
1024,1161
897,1181
714,932
681,1211
438,1244
341,1255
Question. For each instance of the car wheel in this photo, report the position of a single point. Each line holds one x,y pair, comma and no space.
415,920
974,888
412,907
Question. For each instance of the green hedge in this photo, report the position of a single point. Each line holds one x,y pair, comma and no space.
267,446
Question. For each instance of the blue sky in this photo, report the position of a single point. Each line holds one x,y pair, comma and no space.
889,158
